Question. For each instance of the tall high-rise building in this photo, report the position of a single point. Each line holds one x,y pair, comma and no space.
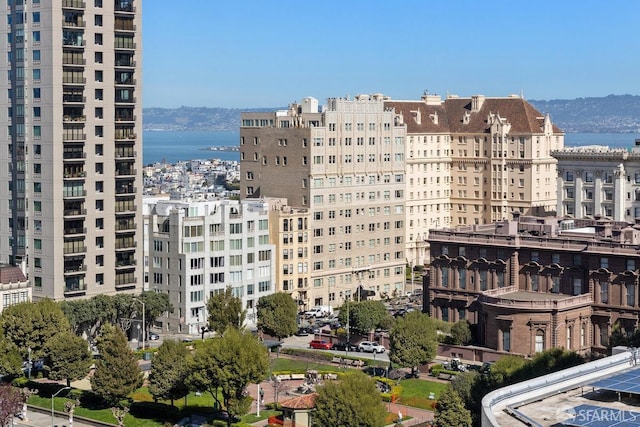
72,115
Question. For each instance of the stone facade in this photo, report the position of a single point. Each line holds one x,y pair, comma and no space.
535,283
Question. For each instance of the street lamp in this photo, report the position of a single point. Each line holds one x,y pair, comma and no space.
143,324
52,397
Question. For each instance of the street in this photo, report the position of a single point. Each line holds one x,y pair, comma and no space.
303,343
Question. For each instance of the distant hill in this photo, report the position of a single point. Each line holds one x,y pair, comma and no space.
609,114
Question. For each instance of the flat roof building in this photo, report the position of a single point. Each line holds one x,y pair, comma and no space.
198,248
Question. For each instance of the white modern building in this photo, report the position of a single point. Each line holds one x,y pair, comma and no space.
72,126
198,248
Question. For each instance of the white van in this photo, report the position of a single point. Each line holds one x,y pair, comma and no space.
319,311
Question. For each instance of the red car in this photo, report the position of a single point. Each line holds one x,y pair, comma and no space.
320,344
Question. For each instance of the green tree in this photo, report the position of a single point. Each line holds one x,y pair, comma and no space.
354,401
463,384
413,340
155,304
225,310
10,359
277,315
169,372
31,325
117,373
68,357
503,369
450,410
224,366
364,316
460,332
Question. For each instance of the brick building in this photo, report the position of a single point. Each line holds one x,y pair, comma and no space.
532,283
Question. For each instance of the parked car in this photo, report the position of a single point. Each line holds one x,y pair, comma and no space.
344,346
375,371
371,347
320,344
153,336
303,332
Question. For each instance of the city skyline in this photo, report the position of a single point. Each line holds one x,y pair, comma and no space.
241,55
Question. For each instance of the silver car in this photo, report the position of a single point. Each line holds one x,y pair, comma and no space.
371,347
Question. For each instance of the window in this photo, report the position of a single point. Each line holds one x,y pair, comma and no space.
98,20
631,294
35,17
36,55
539,341
604,292
506,340
36,74
36,93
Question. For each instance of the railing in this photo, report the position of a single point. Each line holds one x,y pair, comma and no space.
556,304
126,245
75,24
74,250
75,230
75,212
76,4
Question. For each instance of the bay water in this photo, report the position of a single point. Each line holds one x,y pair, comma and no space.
173,146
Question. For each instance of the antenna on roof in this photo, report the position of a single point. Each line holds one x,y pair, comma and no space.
522,93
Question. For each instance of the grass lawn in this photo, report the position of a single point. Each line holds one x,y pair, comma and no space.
415,392
146,413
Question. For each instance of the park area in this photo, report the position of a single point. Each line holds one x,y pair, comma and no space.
144,412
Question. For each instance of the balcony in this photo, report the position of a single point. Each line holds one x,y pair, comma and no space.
126,244
73,4
74,155
123,100
71,99
74,269
75,23
125,63
74,80
76,249
74,118
125,136
126,172
72,212
125,208
124,281
73,60
125,153
125,190
70,231
125,263
73,42
126,82
125,226
78,174
74,286
124,25
74,194
124,6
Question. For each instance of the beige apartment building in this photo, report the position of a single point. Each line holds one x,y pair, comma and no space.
428,171
73,118
473,161
345,164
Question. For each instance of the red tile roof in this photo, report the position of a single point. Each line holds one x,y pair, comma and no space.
11,275
520,114
306,401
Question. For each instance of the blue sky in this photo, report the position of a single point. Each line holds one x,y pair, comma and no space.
251,53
